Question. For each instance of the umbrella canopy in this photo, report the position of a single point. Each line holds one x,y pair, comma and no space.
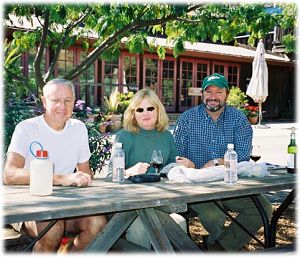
258,86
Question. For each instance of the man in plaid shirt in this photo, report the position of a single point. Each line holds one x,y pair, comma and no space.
201,137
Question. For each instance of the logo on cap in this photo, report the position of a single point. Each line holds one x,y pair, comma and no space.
212,77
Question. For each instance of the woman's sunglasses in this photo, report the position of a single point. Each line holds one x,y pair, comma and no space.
149,109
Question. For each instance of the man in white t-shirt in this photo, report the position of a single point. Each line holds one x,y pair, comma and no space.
66,141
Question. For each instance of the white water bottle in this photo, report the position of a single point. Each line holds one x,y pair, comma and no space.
230,165
41,174
118,163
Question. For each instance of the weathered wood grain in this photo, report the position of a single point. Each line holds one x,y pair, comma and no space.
158,236
112,231
108,197
177,236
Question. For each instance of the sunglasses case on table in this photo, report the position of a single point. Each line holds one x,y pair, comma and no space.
144,178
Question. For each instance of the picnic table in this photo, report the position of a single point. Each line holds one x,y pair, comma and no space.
150,201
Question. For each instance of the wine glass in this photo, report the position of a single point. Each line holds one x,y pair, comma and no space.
156,160
255,153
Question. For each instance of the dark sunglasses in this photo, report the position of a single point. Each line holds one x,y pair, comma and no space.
149,109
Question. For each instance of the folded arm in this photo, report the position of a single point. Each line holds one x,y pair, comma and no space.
16,174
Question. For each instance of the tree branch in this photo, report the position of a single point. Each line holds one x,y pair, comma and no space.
63,40
38,58
132,27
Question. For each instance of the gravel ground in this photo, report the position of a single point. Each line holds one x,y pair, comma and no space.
286,228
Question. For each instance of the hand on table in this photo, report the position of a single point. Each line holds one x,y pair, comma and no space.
139,168
78,178
185,161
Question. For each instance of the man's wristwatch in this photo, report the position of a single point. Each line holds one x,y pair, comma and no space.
215,162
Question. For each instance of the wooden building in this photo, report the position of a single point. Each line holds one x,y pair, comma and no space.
175,80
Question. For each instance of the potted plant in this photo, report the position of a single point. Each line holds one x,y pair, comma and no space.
113,117
252,113
237,98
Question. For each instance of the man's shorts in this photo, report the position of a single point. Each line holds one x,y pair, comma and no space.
18,227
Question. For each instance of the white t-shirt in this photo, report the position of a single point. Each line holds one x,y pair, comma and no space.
66,148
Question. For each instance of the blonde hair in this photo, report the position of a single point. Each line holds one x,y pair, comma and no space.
129,121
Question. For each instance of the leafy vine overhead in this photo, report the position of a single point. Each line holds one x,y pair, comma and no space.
59,25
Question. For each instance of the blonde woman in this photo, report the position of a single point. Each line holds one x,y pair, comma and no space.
145,129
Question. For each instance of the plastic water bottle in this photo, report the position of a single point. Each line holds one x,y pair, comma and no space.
41,174
118,163
230,165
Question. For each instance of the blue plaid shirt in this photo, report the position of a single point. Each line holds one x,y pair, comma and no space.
200,139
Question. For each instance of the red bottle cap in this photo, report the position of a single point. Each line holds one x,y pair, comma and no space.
41,154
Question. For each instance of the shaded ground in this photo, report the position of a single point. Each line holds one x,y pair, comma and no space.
286,228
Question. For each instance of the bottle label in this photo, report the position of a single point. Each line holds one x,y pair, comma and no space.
233,165
292,149
118,162
226,164
230,172
291,161
118,169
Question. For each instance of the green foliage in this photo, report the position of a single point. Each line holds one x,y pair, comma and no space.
113,21
237,98
14,114
137,43
161,52
290,43
179,47
289,15
100,144
112,102
124,100
17,86
111,54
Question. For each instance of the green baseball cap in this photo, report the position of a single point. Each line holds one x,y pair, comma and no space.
215,80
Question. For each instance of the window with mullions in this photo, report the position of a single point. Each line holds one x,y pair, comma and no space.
151,73
230,71
87,81
168,81
202,72
232,75
65,62
192,73
186,83
219,69
111,74
130,72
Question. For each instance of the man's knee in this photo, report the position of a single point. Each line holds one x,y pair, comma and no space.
96,224
51,240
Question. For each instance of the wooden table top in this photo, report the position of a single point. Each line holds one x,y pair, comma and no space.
104,196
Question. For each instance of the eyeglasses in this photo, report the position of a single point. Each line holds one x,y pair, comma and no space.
149,109
66,101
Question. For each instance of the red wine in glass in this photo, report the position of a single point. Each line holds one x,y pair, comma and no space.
255,153
156,160
156,165
255,158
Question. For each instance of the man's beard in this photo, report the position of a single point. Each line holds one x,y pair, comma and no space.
213,108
